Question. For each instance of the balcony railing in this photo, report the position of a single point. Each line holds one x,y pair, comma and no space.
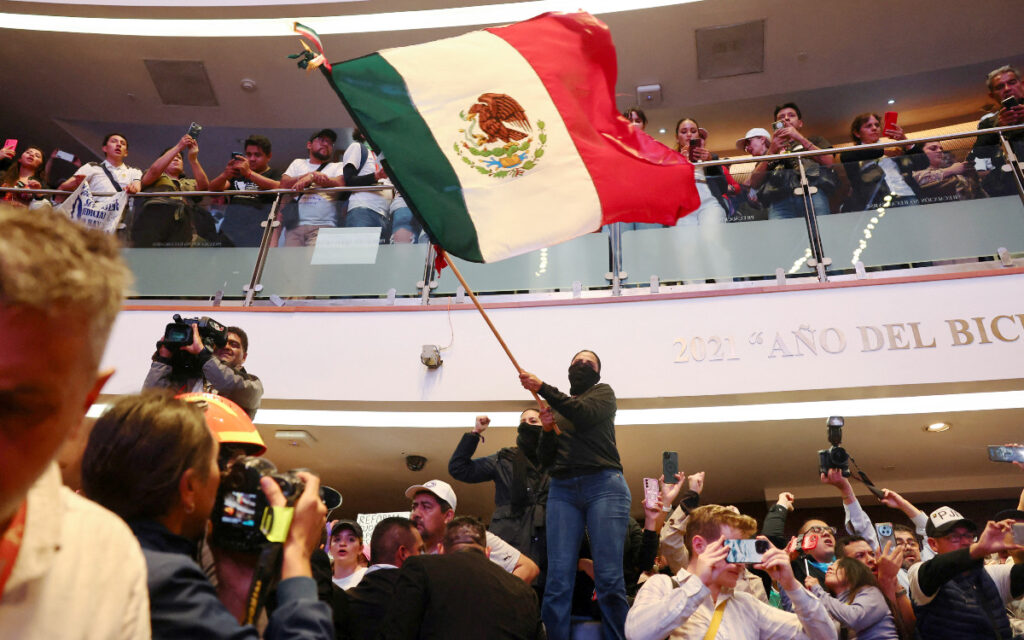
939,208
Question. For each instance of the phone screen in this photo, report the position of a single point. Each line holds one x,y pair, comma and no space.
239,508
746,550
1005,453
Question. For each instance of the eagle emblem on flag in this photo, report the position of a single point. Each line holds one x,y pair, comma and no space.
498,139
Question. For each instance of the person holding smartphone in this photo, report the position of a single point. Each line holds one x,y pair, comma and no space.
26,173
1007,91
691,141
879,176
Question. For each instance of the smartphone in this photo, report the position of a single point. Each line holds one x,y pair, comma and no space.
778,124
884,531
1018,533
65,156
889,122
194,130
651,492
237,155
11,143
1005,453
743,551
1010,102
670,466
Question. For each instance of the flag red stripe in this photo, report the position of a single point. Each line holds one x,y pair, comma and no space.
637,178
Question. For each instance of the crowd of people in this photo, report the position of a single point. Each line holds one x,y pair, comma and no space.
861,179
184,530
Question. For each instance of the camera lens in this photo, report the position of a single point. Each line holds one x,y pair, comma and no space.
838,456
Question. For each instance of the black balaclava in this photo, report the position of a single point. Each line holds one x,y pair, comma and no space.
582,376
528,439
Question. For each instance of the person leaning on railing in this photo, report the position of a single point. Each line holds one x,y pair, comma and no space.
249,171
691,141
878,175
1006,89
27,173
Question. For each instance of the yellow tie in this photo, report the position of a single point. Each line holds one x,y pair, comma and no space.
716,619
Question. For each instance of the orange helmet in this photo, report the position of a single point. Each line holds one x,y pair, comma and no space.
228,422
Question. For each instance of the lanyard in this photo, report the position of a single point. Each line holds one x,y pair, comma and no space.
10,544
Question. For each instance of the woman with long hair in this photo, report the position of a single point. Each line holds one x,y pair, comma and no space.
152,460
26,173
878,177
691,141
858,603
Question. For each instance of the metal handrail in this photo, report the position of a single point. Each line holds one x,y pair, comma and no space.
233,192
875,145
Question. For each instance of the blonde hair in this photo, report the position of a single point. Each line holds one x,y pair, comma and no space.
707,522
53,266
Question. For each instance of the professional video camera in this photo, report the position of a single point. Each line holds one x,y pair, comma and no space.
835,457
241,518
178,334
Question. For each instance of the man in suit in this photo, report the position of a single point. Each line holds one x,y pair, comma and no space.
461,594
359,611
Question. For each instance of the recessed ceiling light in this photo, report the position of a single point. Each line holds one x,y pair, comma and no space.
936,427
892,100
662,131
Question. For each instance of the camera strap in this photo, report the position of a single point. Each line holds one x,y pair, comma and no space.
863,477
276,523
268,569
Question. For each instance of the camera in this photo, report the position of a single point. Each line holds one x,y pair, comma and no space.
241,518
835,457
178,334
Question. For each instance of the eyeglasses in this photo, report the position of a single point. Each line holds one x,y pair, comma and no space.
907,542
819,530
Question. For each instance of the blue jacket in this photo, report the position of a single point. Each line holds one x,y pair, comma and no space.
183,603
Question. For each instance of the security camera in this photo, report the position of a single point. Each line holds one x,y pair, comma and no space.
414,462
430,355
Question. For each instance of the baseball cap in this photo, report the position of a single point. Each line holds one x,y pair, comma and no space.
741,144
228,422
324,133
945,519
439,488
351,525
1010,514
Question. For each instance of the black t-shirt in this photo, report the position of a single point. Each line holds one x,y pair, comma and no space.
242,184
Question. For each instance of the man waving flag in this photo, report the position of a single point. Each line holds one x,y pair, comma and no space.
507,140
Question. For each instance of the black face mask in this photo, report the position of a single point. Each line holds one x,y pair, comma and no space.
581,377
528,439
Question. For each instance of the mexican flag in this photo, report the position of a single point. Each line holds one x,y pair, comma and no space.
507,140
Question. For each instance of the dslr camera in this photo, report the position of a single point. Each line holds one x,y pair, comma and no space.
178,334
835,457
241,515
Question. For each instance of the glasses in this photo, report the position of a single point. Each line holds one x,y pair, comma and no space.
906,542
820,530
957,538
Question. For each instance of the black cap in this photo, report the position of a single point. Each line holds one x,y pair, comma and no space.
351,525
1010,514
324,133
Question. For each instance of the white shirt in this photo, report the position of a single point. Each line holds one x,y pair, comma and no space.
315,208
364,199
351,580
100,183
661,611
79,573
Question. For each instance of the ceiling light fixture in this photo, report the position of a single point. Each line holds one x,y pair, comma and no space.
937,427
982,401
892,100
325,25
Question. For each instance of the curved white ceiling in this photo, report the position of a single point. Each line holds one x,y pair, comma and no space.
324,25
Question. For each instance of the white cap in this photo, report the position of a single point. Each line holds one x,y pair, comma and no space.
741,144
439,488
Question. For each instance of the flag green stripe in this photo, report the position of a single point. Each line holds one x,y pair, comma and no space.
377,97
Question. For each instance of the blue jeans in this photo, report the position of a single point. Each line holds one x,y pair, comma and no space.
600,502
793,207
402,218
363,217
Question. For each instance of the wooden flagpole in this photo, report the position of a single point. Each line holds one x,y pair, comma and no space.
494,330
